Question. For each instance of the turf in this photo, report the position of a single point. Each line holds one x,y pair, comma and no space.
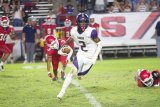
111,82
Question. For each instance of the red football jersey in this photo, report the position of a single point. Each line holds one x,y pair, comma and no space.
37,26
56,58
155,82
50,51
49,29
5,33
66,31
94,25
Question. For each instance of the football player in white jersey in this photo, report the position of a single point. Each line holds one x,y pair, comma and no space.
89,47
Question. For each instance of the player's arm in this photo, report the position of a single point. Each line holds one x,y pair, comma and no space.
23,37
12,33
63,53
96,39
70,39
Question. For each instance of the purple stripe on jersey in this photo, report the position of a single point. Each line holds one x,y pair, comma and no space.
75,62
94,34
85,72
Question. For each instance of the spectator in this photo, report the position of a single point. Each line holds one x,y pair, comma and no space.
154,6
14,3
133,4
17,16
90,6
52,15
81,5
69,8
127,7
5,6
24,16
60,12
99,6
70,12
142,6
29,5
28,37
109,3
157,33
116,7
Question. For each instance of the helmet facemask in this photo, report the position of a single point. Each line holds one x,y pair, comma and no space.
48,20
146,78
148,81
54,45
82,22
67,23
4,21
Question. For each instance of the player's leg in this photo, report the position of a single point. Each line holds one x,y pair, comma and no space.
55,63
10,46
24,52
63,60
6,52
32,51
67,81
78,63
28,52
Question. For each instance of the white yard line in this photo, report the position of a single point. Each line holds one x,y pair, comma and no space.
88,95
34,67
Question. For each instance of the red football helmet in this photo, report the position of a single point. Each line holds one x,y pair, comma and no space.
67,23
48,20
52,42
146,77
4,21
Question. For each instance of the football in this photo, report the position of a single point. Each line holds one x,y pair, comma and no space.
66,50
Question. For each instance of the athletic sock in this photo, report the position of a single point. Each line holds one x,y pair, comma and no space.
66,83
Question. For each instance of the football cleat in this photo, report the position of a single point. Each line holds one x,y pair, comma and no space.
60,95
1,68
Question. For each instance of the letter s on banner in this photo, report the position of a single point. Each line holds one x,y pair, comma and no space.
119,29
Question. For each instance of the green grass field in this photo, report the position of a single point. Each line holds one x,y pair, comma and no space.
111,83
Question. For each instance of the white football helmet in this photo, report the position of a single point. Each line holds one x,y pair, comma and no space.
146,77
4,21
48,20
52,42
67,23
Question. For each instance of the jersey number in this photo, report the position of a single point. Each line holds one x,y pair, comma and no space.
82,45
3,37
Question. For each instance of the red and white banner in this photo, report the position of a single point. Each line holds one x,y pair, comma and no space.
123,29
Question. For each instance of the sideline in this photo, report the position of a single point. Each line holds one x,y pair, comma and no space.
88,95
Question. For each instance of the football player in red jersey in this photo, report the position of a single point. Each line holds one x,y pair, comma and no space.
5,30
55,55
49,28
93,24
146,78
66,31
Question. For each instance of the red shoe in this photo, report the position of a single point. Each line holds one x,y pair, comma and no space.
55,78
62,75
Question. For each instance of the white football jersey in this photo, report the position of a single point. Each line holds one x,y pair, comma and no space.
87,47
